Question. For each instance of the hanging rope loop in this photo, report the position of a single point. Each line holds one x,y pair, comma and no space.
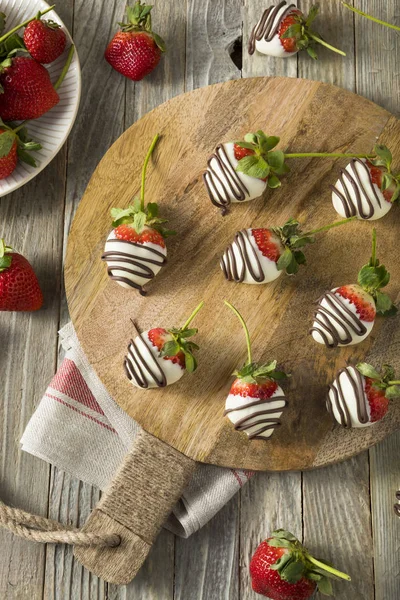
46,531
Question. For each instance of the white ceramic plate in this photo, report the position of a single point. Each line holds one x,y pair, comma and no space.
52,129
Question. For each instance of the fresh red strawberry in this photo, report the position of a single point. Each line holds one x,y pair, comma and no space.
289,43
45,40
27,90
159,337
240,152
378,402
148,235
282,569
361,299
377,178
268,243
8,154
135,51
19,287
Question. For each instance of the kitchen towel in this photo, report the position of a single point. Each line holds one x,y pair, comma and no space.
79,428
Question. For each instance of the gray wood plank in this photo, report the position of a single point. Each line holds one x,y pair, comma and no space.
377,78
268,501
31,220
206,566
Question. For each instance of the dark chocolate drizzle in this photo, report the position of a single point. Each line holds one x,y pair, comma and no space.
339,399
265,421
231,183
265,26
336,314
136,265
136,367
229,263
352,181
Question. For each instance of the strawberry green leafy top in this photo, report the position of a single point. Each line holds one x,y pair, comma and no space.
385,380
138,215
298,563
384,159
139,19
372,278
180,343
253,372
5,256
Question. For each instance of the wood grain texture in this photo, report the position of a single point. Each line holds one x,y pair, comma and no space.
312,120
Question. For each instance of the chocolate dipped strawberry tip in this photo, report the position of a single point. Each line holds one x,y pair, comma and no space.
384,380
253,372
293,239
305,38
139,19
139,215
372,278
282,568
180,342
258,157
370,17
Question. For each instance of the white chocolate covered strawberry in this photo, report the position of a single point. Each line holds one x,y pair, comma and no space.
346,315
135,249
283,30
255,402
160,357
261,255
241,171
360,395
367,188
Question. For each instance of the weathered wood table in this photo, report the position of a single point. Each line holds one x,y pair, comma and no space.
345,512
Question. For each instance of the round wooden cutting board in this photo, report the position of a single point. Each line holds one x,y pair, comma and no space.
308,116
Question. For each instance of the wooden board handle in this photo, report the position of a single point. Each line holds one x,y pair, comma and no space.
135,506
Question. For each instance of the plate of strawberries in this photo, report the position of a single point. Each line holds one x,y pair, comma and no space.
40,87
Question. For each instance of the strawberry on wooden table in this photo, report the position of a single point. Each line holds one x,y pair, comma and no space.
255,402
135,51
261,255
160,357
346,314
135,250
360,396
44,40
26,91
367,188
283,569
19,287
283,30
241,171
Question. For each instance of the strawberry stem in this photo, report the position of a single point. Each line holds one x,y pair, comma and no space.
373,255
246,331
330,226
20,126
326,155
370,17
194,313
146,162
65,68
317,39
327,568
24,24
394,382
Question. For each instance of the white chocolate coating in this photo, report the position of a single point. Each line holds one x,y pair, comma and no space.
358,195
347,400
254,422
226,185
274,47
133,265
243,262
146,368
347,327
